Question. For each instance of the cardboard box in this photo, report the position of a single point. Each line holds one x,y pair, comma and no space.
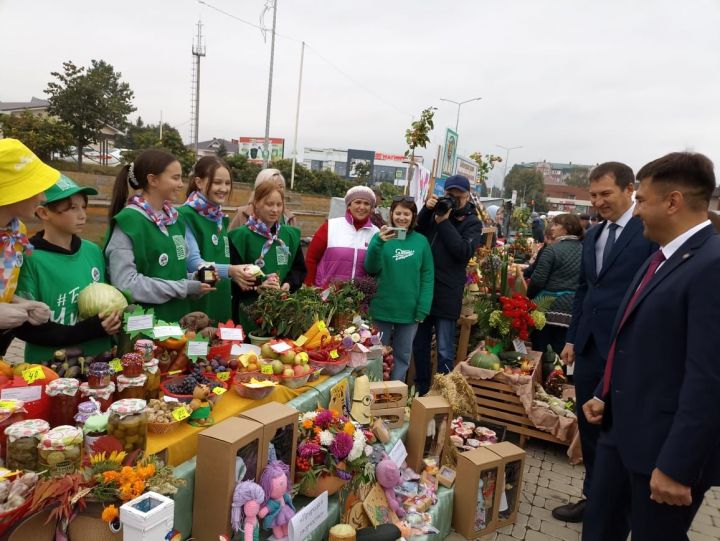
475,506
217,470
513,458
446,476
280,428
393,417
429,432
388,394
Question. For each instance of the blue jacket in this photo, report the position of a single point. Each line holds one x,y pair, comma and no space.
598,296
663,407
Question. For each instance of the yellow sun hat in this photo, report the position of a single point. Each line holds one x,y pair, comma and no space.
22,174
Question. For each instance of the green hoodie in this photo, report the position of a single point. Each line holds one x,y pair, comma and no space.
405,274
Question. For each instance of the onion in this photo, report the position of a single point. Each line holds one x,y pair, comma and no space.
98,298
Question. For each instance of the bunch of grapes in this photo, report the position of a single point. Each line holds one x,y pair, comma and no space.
187,384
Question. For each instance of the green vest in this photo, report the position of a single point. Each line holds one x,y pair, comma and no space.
57,280
214,248
248,246
157,256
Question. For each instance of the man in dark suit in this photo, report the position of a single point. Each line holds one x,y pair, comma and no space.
659,451
613,251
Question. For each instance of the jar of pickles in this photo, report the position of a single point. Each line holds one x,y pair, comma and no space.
145,348
99,375
86,410
11,411
95,428
128,423
64,399
131,387
60,449
152,385
132,364
104,396
22,444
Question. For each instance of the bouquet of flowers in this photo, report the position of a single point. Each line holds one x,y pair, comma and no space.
517,317
331,445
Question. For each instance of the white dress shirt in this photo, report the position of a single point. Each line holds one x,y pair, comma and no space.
671,247
602,239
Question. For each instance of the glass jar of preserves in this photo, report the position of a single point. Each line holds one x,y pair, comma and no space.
60,449
131,387
11,411
64,399
86,410
99,375
145,348
128,424
22,444
152,385
132,364
103,396
95,427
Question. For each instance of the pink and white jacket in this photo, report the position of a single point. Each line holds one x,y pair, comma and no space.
344,257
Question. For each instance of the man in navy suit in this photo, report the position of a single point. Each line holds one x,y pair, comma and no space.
613,251
659,451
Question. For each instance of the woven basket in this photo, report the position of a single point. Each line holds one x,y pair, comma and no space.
163,428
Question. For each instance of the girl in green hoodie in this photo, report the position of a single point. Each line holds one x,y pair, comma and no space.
402,263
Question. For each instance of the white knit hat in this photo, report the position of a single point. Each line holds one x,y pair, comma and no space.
359,192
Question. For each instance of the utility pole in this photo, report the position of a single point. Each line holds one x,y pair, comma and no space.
507,157
161,126
459,104
198,51
266,145
297,117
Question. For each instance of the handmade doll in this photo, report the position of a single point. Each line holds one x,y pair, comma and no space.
201,407
246,502
361,401
388,475
278,508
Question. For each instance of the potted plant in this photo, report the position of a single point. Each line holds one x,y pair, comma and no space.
515,318
344,298
268,313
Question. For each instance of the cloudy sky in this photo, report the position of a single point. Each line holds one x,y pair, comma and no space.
568,80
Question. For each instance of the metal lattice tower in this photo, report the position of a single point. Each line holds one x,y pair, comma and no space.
198,51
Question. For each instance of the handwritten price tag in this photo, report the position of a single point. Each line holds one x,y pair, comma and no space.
334,354
139,323
33,374
219,390
167,331
301,341
519,346
116,364
223,376
321,325
281,347
181,413
266,369
231,334
197,349
7,404
243,361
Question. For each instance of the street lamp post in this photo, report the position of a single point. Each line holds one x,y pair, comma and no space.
507,158
459,103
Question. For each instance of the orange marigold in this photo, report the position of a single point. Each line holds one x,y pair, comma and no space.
110,513
349,428
307,423
110,476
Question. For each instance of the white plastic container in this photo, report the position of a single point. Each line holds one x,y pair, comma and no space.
147,518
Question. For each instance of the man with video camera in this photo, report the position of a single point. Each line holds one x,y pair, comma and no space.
452,227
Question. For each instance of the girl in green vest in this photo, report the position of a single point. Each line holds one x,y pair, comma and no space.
264,242
146,251
61,265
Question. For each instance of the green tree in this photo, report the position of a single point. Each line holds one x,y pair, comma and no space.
527,182
89,99
363,171
486,163
579,176
44,136
418,134
242,170
141,136
222,150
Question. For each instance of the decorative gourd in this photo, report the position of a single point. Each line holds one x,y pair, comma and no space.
485,359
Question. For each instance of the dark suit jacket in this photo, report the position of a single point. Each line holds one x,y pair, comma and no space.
664,399
598,296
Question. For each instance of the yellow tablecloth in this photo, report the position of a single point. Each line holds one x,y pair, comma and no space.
181,444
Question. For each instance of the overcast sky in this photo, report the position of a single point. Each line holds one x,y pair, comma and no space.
568,80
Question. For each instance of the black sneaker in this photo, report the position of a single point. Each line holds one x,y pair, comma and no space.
571,512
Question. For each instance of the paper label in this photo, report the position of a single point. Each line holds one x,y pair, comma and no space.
26,394
223,376
304,356
174,372
301,341
398,453
181,413
321,325
519,346
227,333
309,518
7,404
33,374
266,369
334,354
139,323
280,347
236,349
197,349
243,361
167,331
219,390
116,364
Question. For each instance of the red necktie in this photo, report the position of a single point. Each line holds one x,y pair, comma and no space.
657,259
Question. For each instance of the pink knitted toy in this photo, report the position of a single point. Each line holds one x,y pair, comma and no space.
388,475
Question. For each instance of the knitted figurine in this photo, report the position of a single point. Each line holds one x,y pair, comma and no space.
247,499
278,508
388,475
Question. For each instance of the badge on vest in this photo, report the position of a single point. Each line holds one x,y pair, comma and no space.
227,246
282,257
19,259
163,260
179,241
95,273
214,239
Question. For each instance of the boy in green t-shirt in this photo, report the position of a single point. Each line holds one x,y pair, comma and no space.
60,266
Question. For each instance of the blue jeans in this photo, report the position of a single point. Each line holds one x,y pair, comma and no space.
445,335
400,337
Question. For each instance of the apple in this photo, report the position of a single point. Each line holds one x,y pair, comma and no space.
277,367
251,358
287,357
252,367
300,358
299,370
267,352
288,373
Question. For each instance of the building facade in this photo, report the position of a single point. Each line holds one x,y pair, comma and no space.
390,168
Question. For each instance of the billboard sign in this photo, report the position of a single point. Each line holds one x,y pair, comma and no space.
356,157
467,168
252,148
449,154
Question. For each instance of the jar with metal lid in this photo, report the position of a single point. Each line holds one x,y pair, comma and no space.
95,427
152,385
85,410
132,364
104,396
131,387
99,375
128,423
64,399
22,444
11,411
145,348
59,450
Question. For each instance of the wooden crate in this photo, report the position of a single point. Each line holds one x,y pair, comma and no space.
498,403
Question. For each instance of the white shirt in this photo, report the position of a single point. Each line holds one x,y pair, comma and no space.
602,239
671,247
